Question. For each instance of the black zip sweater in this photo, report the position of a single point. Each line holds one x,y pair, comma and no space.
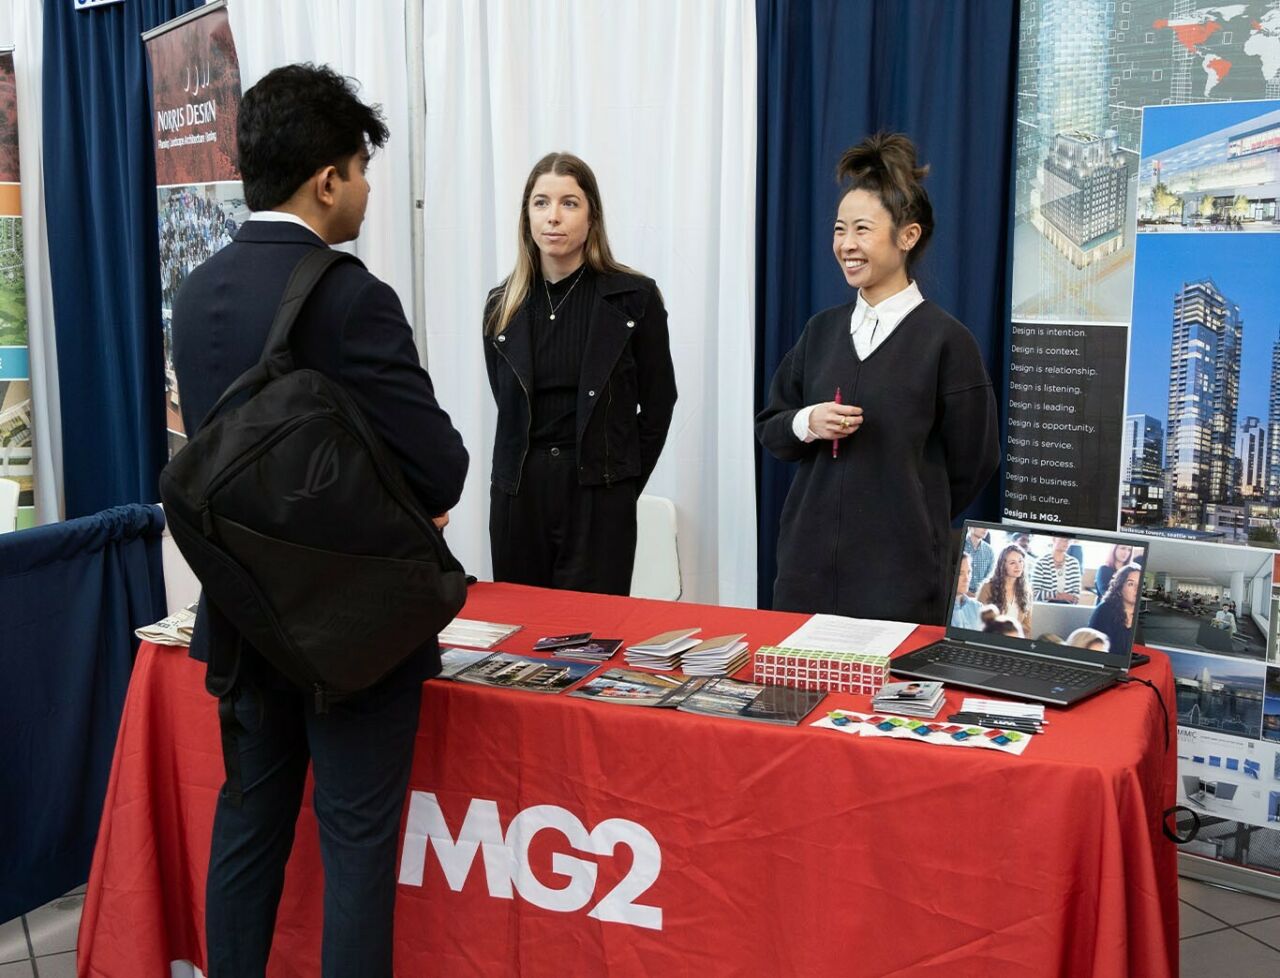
626,385
865,534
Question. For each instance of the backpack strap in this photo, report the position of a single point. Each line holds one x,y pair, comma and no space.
277,357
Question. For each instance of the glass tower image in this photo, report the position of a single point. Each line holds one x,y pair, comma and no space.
1204,395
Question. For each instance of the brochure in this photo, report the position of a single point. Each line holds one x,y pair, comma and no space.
453,661
556,641
783,704
630,687
509,671
597,650
750,701
175,629
721,698
914,699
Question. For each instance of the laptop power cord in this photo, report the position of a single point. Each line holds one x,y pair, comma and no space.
1171,814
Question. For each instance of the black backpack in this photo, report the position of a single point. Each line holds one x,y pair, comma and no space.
300,526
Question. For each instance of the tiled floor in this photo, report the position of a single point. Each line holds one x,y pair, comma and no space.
43,943
1223,933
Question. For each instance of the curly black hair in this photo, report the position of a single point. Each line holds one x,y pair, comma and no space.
295,121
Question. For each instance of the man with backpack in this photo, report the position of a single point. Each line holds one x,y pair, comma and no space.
304,143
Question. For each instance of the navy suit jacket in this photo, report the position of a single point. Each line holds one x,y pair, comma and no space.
353,330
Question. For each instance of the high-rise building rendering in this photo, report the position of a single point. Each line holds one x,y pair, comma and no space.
1251,459
1141,470
1062,58
1204,395
1141,449
1082,206
1273,426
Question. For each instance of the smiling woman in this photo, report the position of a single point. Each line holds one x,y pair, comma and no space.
580,366
899,390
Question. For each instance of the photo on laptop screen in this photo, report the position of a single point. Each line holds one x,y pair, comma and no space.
1080,590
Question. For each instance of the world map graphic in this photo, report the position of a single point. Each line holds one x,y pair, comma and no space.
1257,24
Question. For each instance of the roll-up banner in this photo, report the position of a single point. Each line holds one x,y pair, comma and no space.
195,96
1144,388
17,501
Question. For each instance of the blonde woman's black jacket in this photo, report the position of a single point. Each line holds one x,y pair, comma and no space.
626,390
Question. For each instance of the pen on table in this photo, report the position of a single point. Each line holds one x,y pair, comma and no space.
972,714
1021,726
835,442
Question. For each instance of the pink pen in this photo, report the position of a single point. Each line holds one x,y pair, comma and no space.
835,442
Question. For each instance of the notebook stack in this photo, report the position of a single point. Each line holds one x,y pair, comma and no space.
916,699
476,634
720,656
662,651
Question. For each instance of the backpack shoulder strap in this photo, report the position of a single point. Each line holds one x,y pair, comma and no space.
277,357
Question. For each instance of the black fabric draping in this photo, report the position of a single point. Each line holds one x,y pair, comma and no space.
830,73
104,253
71,595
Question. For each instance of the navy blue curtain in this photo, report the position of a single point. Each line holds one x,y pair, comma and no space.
71,595
830,73
100,205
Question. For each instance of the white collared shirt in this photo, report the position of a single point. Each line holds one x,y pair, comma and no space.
869,326
284,217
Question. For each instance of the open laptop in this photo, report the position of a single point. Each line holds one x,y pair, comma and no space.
1001,654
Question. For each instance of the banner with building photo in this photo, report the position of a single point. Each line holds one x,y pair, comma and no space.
195,91
1201,418
1144,221
16,463
1086,69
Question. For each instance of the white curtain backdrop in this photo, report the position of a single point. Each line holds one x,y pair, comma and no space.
22,26
660,99
367,42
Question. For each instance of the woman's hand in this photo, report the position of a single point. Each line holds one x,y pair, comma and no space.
833,421
441,521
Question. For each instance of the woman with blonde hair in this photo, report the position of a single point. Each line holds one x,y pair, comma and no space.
579,362
885,403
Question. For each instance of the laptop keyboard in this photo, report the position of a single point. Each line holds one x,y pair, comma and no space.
1011,665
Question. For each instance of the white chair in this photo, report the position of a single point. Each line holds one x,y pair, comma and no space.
8,505
656,573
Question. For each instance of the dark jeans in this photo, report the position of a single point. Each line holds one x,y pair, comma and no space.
557,533
361,752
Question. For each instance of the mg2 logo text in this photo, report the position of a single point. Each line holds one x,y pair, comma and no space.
506,857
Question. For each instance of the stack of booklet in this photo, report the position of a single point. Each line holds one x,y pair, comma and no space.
914,699
579,646
719,656
476,634
662,651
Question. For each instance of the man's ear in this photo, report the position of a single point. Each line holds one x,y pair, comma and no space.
324,183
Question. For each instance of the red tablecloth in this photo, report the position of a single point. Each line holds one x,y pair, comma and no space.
727,848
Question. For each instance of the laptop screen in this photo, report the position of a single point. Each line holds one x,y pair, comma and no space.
1075,596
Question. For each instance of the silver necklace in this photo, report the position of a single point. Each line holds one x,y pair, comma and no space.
556,305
